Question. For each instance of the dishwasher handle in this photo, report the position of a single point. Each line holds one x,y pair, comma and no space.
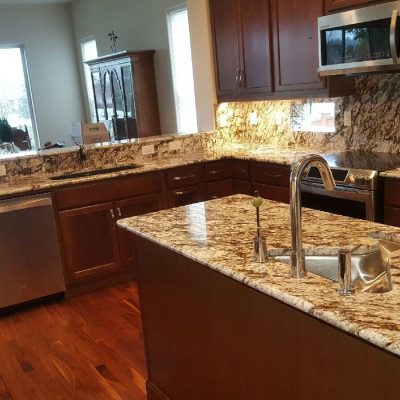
25,203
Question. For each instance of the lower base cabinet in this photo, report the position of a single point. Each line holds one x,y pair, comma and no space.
238,343
391,199
90,241
97,253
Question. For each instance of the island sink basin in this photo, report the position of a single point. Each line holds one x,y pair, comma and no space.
369,272
100,171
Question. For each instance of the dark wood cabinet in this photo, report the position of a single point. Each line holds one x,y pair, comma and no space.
125,93
391,196
333,5
90,241
128,208
95,252
185,185
241,30
295,44
271,181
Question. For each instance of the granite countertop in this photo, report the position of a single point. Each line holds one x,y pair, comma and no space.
40,182
394,173
219,234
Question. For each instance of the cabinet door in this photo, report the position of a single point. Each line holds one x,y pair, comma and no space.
295,41
255,38
90,241
271,192
129,208
225,26
218,189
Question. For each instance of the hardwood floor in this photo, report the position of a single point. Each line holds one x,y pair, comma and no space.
88,347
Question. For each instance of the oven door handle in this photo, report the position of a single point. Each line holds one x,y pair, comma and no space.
393,30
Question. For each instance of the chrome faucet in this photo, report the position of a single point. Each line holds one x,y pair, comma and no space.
297,260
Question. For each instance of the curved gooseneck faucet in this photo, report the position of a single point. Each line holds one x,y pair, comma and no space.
297,260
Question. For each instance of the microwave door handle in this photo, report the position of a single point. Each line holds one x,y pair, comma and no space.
393,30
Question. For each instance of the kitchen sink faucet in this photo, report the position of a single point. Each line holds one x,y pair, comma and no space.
297,258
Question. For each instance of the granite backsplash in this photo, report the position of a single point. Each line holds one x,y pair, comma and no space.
375,108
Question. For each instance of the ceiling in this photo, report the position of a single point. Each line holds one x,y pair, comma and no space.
34,1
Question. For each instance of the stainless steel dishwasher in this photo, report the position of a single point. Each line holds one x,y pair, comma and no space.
30,261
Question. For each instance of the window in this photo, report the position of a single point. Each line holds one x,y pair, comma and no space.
313,117
182,69
89,52
15,92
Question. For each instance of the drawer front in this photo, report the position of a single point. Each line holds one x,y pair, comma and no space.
109,190
270,174
392,192
391,216
215,190
241,187
183,197
217,170
184,176
240,170
270,192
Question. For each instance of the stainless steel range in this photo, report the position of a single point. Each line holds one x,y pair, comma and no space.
357,179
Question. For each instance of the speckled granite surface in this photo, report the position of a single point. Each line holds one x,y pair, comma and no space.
219,234
394,173
16,184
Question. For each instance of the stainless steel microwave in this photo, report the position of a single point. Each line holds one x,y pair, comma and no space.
360,41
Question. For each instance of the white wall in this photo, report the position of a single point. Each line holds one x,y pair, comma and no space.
203,64
45,30
142,25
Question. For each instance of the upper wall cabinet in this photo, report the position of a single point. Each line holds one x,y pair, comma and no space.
295,43
125,93
334,5
241,33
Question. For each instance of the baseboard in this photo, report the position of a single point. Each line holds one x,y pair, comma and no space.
154,393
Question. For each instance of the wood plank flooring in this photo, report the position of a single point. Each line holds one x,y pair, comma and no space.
83,348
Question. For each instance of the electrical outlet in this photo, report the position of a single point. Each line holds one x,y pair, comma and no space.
148,150
347,118
175,145
253,118
3,171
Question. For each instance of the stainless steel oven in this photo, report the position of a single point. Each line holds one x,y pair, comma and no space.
361,40
358,191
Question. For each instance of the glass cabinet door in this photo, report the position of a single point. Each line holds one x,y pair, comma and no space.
127,80
98,96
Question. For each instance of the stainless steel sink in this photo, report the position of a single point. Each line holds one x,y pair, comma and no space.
101,171
369,272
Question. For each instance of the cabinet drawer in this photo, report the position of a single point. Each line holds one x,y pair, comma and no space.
270,192
391,216
108,190
392,192
270,174
241,187
183,197
217,170
240,169
184,176
215,190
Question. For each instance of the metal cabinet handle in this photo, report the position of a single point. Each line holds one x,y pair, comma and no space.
183,192
183,178
241,78
112,213
238,77
393,29
272,175
119,212
215,171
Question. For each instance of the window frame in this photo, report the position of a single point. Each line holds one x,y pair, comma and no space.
28,88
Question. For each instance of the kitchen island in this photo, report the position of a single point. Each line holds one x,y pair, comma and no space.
218,326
